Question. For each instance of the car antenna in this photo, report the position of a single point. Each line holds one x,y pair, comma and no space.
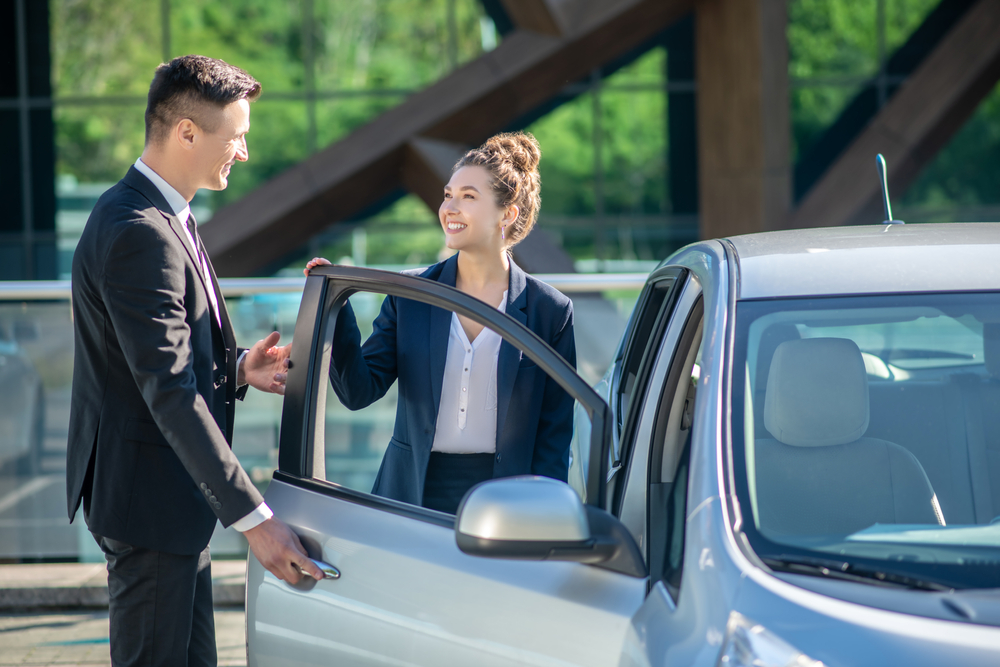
880,163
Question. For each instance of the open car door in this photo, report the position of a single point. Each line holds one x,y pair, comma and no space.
400,591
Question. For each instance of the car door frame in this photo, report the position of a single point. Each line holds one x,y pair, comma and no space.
649,416
306,392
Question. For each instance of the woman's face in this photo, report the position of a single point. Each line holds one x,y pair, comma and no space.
469,213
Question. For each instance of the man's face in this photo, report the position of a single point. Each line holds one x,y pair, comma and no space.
219,150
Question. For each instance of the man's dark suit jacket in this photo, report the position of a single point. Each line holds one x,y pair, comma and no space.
409,342
154,381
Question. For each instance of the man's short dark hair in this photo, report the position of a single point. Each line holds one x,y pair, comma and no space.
185,86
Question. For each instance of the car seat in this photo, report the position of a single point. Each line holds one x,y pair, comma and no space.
818,474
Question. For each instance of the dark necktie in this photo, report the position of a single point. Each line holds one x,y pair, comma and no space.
200,252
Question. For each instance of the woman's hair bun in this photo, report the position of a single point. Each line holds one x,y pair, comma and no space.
520,148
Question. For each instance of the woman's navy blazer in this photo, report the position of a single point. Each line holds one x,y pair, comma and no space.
409,343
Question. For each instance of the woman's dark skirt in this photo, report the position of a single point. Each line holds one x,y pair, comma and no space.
450,476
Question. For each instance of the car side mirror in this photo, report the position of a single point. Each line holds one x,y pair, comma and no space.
537,518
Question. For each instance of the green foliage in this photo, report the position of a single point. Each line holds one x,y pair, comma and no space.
836,42
96,144
567,165
966,172
833,43
104,47
111,47
633,147
367,55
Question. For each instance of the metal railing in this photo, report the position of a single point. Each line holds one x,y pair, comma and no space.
568,283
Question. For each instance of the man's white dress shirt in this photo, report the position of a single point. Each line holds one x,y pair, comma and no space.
467,414
182,210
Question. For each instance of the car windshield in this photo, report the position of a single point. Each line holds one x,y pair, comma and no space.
866,435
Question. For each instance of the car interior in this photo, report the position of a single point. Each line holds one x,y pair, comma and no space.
845,438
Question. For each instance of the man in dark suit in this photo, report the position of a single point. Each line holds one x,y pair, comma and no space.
156,376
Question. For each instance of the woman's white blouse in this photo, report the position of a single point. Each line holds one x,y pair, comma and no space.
467,414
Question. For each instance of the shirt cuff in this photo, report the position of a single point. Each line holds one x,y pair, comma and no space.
260,514
239,364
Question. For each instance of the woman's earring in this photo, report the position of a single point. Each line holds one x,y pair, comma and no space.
502,232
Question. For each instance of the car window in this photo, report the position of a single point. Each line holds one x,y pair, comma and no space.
650,318
868,430
416,407
356,440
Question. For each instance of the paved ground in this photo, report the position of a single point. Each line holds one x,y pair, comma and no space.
80,638
85,585
50,614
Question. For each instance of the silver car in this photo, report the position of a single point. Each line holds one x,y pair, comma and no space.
795,461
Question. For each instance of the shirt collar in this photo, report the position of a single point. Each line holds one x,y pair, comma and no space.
179,206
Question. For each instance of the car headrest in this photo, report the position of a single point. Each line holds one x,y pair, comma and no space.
991,348
817,393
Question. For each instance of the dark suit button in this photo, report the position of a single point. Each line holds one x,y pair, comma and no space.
221,380
204,486
498,458
218,506
208,491
213,499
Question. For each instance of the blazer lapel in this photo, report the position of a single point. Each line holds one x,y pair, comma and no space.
510,356
228,335
440,331
136,180
208,282
178,229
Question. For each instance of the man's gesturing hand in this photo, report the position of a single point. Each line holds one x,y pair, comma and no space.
265,366
278,549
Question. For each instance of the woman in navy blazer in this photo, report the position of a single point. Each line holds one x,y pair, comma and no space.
490,204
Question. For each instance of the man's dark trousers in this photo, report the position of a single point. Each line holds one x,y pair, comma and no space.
160,607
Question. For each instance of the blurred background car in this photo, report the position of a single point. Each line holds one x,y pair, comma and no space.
22,402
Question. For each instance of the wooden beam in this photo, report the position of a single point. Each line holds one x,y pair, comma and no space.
484,96
427,167
744,164
932,104
541,16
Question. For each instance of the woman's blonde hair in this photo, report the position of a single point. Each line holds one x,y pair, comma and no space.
511,159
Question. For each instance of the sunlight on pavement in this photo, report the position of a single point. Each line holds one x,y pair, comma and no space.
80,639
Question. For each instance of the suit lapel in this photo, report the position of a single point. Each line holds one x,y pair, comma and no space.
178,229
228,337
440,331
136,180
510,356
208,282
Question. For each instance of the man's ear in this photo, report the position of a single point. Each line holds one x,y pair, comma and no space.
186,133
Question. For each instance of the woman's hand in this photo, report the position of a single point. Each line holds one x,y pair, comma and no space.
314,262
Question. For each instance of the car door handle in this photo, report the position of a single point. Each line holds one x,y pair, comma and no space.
329,571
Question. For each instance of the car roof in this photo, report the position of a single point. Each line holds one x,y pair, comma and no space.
870,259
